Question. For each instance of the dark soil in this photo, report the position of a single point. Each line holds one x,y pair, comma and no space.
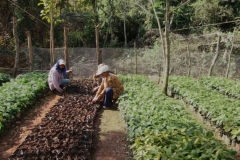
67,127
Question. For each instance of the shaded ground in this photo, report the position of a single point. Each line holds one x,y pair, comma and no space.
109,137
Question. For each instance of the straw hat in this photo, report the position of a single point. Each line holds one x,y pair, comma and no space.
101,69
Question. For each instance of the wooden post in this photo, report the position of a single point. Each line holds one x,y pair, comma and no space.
216,55
229,57
66,46
98,52
16,46
189,60
135,57
30,53
51,36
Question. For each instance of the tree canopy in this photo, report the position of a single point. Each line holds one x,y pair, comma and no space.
81,17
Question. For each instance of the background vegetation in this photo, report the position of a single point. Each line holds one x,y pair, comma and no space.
81,17
194,29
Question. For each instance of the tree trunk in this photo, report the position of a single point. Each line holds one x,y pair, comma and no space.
108,31
124,21
94,2
225,53
51,38
98,51
171,20
216,55
15,35
167,52
105,38
66,46
229,59
30,50
189,60
135,57
161,35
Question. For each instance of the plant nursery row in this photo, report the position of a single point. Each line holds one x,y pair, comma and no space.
160,127
16,94
215,101
66,130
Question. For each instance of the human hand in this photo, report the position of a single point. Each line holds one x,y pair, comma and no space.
95,99
101,97
95,76
70,71
95,89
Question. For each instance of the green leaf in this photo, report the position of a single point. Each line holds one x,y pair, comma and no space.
235,131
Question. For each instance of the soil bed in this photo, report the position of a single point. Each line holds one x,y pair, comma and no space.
68,127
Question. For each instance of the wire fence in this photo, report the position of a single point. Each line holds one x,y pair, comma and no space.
193,53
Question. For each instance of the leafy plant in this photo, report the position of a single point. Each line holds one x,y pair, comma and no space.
4,78
160,128
226,86
19,93
221,110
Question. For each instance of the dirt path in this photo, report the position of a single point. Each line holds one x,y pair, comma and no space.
109,137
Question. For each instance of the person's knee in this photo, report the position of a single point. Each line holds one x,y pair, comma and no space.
68,81
109,90
65,82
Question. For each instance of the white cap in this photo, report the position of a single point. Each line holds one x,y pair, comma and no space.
61,61
101,69
100,65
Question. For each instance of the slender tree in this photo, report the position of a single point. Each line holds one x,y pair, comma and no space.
124,7
30,52
98,51
6,13
216,55
167,48
165,42
124,23
66,45
160,33
188,57
51,35
229,56
51,12
16,40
